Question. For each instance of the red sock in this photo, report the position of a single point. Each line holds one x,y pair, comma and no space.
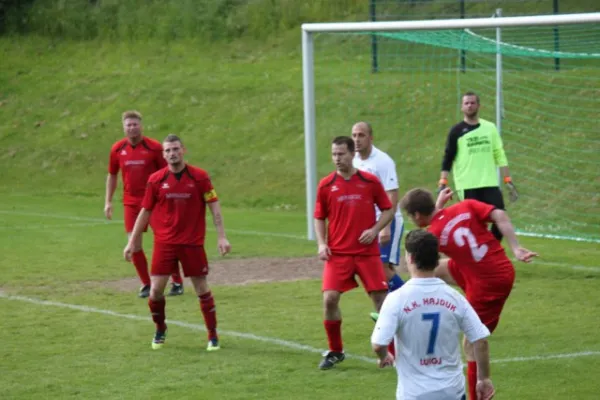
176,277
472,379
209,312
334,335
392,348
157,308
141,266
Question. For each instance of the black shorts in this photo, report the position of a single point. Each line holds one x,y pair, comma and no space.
490,195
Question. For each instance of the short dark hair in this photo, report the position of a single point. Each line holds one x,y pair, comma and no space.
171,137
347,140
423,247
418,201
472,94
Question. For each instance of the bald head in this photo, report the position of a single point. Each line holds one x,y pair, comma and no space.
364,127
362,135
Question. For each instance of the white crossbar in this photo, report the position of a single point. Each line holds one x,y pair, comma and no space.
560,19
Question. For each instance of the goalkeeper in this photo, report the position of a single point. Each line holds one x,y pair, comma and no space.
473,153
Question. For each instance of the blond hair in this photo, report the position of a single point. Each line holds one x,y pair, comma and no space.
132,114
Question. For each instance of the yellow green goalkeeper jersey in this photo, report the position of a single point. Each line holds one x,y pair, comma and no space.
473,154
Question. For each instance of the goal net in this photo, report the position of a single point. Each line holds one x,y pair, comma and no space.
540,84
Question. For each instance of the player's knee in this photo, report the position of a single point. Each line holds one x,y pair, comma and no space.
331,300
378,297
155,294
200,285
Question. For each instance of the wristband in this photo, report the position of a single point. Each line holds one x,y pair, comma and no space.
443,181
507,179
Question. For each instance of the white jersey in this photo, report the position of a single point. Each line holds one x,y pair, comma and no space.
426,317
383,167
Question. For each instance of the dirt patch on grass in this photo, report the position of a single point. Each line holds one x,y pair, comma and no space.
242,272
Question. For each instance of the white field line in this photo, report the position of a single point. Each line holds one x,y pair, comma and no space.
56,226
264,339
196,327
55,216
102,221
563,265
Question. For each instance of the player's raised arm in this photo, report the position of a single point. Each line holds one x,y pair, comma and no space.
444,196
502,221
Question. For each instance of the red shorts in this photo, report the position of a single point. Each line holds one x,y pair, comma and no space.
130,214
165,259
487,296
340,271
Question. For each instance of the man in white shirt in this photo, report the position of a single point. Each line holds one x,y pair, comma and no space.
425,318
370,159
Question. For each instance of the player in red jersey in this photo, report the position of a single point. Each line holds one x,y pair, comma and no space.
137,157
478,263
346,198
176,197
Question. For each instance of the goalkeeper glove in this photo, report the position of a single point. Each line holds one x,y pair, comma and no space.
442,184
513,194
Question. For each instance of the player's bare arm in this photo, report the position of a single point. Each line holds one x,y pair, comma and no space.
135,239
504,171
500,218
444,196
111,186
384,359
512,189
485,388
370,234
386,233
320,233
222,242
449,156
443,182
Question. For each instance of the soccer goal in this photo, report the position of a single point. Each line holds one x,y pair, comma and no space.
538,78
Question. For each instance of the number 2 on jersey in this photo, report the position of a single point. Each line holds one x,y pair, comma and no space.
462,233
435,326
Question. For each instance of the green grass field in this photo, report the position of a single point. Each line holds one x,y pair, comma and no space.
69,334
72,326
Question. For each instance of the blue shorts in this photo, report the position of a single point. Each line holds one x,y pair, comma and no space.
390,253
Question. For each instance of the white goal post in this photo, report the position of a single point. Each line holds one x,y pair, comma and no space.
309,29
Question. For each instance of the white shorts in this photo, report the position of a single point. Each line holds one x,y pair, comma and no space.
390,253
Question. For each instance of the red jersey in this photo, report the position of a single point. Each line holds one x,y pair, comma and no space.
463,235
136,163
348,205
178,205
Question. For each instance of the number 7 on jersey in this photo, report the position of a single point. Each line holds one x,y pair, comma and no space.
435,325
